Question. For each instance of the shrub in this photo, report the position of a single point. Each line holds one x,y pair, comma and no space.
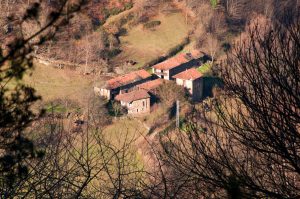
106,13
151,24
113,53
122,32
214,3
226,46
59,106
168,129
115,11
115,109
143,19
126,19
97,22
128,5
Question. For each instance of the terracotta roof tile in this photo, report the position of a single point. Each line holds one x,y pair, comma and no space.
132,96
176,61
150,85
190,74
127,79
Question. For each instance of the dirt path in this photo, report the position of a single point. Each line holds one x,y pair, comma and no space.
147,147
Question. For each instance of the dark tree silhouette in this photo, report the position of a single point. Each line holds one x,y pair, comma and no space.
17,98
249,145
60,162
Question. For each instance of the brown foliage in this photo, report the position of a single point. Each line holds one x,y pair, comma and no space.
248,146
169,92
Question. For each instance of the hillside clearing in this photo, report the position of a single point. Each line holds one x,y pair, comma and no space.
125,128
116,18
144,46
51,83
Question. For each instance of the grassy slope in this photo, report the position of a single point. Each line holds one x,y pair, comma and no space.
52,83
115,18
205,68
127,131
120,129
145,45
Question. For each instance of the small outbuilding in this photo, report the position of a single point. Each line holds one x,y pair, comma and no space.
192,80
136,102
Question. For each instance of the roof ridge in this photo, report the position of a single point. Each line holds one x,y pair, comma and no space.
127,78
174,61
189,74
132,96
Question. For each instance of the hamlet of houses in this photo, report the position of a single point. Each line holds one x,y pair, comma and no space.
135,90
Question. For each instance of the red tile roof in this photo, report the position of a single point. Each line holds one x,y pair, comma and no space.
190,74
132,96
151,84
127,79
175,61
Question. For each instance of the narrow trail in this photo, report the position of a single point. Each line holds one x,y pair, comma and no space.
147,147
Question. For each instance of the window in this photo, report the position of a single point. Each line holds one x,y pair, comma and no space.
143,103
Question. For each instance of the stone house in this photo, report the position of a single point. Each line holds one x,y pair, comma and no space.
170,67
136,102
152,88
123,84
192,80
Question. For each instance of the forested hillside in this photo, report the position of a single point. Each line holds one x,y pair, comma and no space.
145,99
88,39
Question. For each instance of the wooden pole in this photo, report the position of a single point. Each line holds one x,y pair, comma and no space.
177,114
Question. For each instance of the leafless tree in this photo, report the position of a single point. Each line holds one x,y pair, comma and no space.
80,161
248,146
16,101
234,8
213,46
169,92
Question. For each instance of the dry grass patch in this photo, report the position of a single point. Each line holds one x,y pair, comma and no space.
125,128
52,83
143,45
127,131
